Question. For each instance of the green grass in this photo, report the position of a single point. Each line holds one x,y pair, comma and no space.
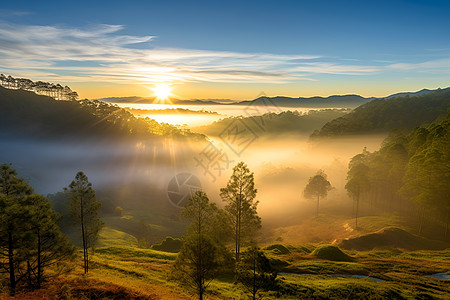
113,237
122,269
131,222
120,263
147,273
132,252
330,229
327,267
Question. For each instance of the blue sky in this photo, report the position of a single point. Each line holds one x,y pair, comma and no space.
229,49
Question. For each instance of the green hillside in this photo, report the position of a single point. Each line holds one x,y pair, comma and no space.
383,115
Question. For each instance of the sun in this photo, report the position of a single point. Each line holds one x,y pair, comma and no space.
162,91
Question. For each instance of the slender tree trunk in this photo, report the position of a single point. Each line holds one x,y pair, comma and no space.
353,206
422,217
12,275
448,221
356,212
30,281
237,237
318,197
87,260
238,227
254,275
39,263
200,261
83,234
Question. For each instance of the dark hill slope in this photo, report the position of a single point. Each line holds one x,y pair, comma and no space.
383,115
25,114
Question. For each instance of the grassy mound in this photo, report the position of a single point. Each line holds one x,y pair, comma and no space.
278,249
330,252
392,237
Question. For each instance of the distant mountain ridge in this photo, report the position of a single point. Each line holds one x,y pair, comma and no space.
334,101
412,94
151,100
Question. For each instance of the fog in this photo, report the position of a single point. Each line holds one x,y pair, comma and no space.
193,120
136,174
144,174
283,166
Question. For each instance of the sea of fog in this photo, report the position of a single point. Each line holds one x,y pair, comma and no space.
194,120
137,174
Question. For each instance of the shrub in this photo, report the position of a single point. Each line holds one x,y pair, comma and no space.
169,245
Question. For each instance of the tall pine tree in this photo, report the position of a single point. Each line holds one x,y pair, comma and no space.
85,212
239,195
13,192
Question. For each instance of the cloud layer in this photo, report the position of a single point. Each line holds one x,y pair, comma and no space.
101,54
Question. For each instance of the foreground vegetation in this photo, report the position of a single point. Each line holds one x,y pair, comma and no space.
129,272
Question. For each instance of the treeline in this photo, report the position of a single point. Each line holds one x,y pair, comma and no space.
32,247
409,174
55,91
383,115
288,122
24,113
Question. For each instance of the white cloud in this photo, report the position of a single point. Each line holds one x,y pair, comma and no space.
101,53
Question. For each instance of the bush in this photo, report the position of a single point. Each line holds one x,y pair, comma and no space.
169,245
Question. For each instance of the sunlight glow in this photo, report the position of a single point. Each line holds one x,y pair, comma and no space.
162,91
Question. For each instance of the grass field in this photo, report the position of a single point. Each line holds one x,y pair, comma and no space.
120,270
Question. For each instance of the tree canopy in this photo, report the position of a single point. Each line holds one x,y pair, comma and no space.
318,187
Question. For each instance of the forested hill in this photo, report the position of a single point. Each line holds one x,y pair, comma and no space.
273,124
383,115
25,114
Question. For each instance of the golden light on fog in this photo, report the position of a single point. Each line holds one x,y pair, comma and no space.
162,91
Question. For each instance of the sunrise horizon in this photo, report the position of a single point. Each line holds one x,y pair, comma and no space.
102,53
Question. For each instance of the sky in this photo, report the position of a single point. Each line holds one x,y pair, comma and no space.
228,49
